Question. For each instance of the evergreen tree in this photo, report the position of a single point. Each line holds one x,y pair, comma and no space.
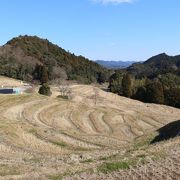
37,74
127,85
45,90
101,78
141,94
50,71
115,82
172,97
44,75
155,93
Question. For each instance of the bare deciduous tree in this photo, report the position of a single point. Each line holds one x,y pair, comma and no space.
65,90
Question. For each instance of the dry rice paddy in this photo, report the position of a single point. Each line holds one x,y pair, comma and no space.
51,138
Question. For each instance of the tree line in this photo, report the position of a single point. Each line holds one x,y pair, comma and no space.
146,90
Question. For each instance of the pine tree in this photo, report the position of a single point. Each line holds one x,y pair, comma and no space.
172,97
141,94
44,75
155,93
37,74
127,85
115,83
101,78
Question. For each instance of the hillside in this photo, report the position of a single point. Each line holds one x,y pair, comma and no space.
95,134
156,65
21,57
156,80
115,64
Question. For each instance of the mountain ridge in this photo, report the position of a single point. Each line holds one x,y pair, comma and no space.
114,64
20,55
159,64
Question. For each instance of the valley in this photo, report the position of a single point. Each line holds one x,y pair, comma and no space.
90,90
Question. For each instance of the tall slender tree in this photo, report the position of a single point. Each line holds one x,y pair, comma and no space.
155,93
115,83
127,85
44,75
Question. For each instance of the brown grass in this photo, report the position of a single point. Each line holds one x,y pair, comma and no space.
56,135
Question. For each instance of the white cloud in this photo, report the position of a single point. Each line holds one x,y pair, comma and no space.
105,2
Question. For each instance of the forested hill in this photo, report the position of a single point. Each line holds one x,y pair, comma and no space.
160,64
21,57
157,80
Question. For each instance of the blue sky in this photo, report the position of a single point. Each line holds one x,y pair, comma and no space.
97,29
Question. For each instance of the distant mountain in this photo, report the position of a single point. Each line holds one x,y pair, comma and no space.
159,64
22,57
115,64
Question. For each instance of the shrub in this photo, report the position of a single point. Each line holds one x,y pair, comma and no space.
45,90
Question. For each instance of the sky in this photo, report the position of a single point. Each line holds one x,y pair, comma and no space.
97,29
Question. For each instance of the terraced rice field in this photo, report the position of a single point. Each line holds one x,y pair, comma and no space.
149,166
50,138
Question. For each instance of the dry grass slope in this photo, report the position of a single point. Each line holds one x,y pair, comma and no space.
48,137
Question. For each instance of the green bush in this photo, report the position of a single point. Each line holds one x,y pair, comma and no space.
45,90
